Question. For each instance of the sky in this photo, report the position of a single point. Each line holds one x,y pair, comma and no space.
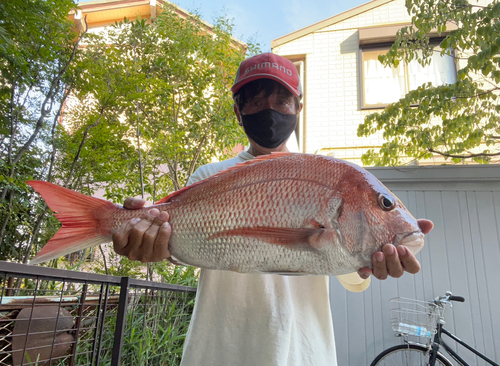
265,20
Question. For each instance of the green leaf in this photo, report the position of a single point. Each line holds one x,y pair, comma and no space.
449,119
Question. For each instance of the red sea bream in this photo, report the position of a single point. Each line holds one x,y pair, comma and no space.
279,213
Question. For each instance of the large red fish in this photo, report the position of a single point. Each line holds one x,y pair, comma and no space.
278,213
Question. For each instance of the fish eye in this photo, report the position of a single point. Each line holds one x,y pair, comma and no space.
386,203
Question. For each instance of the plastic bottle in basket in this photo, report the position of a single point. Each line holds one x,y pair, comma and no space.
414,330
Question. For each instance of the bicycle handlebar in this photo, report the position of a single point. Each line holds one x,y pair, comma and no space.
449,297
456,298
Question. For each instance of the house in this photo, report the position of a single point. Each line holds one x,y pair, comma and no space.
336,58
101,13
343,80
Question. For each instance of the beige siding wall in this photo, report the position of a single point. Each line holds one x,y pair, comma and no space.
331,87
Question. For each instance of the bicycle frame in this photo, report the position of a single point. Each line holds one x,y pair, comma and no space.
438,341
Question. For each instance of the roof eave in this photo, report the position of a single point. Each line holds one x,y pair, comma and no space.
102,5
328,22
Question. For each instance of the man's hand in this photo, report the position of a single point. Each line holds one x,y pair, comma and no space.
392,261
143,240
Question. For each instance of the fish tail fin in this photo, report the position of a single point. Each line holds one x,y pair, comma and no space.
77,213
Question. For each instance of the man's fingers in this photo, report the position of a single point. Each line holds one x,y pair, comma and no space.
394,266
160,218
162,230
425,225
161,251
143,239
365,272
148,239
134,203
150,236
386,263
140,240
391,262
379,265
121,236
408,260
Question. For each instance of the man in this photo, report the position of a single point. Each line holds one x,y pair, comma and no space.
254,319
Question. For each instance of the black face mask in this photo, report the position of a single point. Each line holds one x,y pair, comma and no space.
269,128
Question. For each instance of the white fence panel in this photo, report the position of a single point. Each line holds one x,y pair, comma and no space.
462,254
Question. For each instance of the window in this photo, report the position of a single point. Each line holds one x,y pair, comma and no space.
383,85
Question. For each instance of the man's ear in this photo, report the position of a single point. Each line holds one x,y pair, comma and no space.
238,116
301,105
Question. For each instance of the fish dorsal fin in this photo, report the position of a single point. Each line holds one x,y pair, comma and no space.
173,194
255,160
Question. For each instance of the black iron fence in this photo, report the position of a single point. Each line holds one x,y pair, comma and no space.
56,317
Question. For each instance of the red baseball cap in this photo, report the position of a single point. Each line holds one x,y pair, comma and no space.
268,66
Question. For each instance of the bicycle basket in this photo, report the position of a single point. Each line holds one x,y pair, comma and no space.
414,317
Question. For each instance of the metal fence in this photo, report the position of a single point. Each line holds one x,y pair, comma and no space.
56,317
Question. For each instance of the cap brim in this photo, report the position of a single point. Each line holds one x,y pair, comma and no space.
244,81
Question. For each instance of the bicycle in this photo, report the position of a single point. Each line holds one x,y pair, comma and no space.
423,319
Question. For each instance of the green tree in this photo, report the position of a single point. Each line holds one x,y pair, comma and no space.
161,90
143,105
150,104
37,45
458,121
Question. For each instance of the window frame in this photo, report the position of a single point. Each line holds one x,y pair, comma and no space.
299,61
381,47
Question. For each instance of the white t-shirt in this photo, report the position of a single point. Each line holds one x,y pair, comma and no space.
260,319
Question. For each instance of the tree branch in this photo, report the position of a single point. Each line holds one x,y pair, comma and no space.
463,156
202,143
103,258
82,143
172,172
49,96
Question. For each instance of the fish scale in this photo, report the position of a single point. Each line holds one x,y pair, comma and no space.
279,213
270,205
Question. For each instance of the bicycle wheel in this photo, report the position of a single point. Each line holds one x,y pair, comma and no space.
407,355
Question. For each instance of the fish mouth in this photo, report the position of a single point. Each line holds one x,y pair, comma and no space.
414,241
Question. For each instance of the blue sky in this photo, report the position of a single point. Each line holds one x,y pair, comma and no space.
265,20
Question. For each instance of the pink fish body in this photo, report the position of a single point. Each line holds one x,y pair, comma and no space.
279,213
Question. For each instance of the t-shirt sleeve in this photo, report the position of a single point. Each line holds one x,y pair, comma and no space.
353,282
208,170
199,174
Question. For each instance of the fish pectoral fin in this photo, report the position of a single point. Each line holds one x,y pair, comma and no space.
316,237
324,237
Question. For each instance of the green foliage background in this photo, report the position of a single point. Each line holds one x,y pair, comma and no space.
132,113
142,104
